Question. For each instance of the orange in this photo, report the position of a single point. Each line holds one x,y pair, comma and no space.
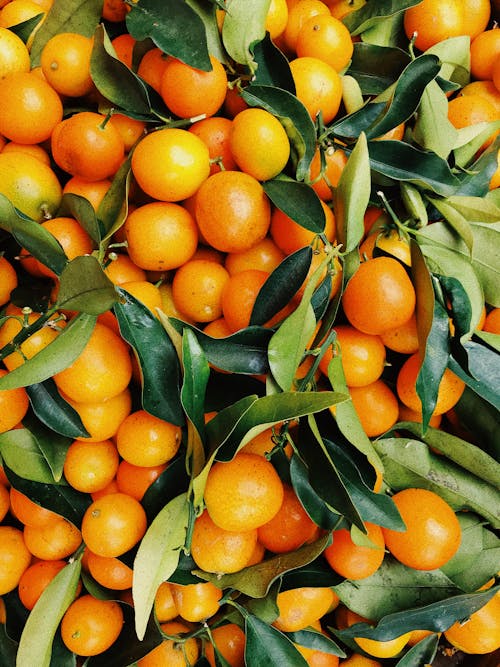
244,493
151,67
232,211
109,572
124,48
103,369
35,580
113,524
93,191
403,339
477,15
264,256
300,607
353,561
218,329
496,81
480,633
215,132
196,602
323,182
432,534
115,10
146,440
28,512
388,240
484,50
325,37
65,62
217,550
30,108
90,466
170,164
379,297
363,356
55,540
197,289
190,92
376,407
492,321
136,480
4,501
145,292
112,487
417,636
86,145
14,55
130,129
31,186
264,443
14,558
72,237
14,404
486,89
233,102
121,269
259,144
164,606
90,626
374,647
451,387
171,652
466,110
101,419
318,87
30,149
160,236
407,414
341,8
230,642
358,660
434,21
299,14
290,527
289,236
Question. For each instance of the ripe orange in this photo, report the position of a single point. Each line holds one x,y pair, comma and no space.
164,606
432,533
197,289
90,466
113,524
376,406
14,558
65,62
151,67
289,236
486,89
124,47
388,240
259,143
130,129
492,321
55,540
90,626
93,191
145,292
301,607
484,51
170,164
196,602
115,10
244,493
434,21
323,182
35,580
299,14
101,419
171,652
318,86
215,133
190,92
379,297
403,339
480,633
14,404
72,237
264,256
27,511
353,561
14,55
145,440
230,642
451,387
466,110
109,572
4,499
136,480
325,37
358,660
160,236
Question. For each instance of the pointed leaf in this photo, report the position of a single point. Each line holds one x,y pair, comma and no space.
272,66
207,13
52,445
243,27
371,13
422,653
375,67
267,646
297,200
20,452
315,506
113,208
54,411
85,287
455,219
80,208
433,131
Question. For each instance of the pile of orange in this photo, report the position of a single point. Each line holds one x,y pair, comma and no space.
177,199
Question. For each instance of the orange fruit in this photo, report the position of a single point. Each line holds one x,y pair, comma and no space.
259,143
4,500
354,561
232,211
115,10
197,289
72,237
90,466
65,62
376,406
480,633
318,86
55,540
35,580
164,606
215,133
299,14
289,236
101,419
14,404
145,440
145,292
407,414
124,47
93,191
109,572
170,164
323,182
451,387
121,269
486,89
136,480
301,607
14,558
484,51
325,37
375,647
492,321
171,652
477,16
196,602
230,642
466,110
90,626
379,297
28,512
341,8
432,534
388,240
434,21
264,256
14,55
29,149
130,129
189,92
403,339
151,67
358,660
160,236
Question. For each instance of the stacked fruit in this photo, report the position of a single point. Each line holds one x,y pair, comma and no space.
249,332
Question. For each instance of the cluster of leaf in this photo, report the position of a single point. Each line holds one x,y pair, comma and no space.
435,189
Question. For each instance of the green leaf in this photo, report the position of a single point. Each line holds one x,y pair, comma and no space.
471,138
243,27
113,208
267,646
54,411
157,557
172,482
272,66
256,580
480,418
183,35
483,365
8,647
295,119
433,131
454,54
351,126
80,16
85,287
281,285
25,28
423,653
375,67
316,640
58,355
20,451
297,200
414,204
481,386
352,196
476,179
372,13
140,328
402,162
52,445
75,206
409,463
455,219
315,506
35,646
207,13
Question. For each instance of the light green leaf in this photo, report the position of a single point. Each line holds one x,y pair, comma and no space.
20,451
85,287
244,26
433,131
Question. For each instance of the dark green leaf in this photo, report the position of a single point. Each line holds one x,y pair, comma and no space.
80,16
8,648
281,286
402,162
171,483
54,411
80,208
484,366
113,208
196,374
85,287
160,371
480,418
58,355
375,67
422,653
272,66
352,125
267,646
295,119
481,388
314,505
476,179
243,27
175,27
316,640
207,13
371,13
25,28
297,200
